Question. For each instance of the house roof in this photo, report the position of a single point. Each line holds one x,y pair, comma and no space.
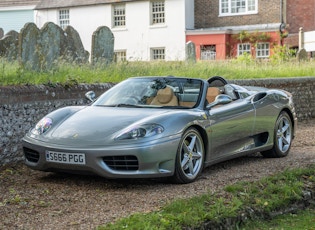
12,3
47,4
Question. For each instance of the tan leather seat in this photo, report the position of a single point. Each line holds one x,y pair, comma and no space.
165,97
212,92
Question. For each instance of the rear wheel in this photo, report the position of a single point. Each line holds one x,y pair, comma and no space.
283,135
189,158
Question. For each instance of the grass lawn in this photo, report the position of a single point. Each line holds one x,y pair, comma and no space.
13,74
302,220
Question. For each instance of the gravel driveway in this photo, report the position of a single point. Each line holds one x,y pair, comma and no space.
38,200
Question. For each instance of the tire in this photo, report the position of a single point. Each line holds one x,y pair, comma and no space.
283,135
189,158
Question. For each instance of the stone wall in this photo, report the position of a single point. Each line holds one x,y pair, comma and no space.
22,106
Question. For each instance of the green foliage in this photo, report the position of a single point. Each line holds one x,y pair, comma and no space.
252,38
244,58
282,54
268,194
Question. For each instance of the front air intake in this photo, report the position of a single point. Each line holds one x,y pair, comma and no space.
31,155
126,163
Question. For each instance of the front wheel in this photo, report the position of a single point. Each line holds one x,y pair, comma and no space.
283,135
189,158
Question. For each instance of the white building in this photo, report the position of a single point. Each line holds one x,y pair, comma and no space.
15,13
144,30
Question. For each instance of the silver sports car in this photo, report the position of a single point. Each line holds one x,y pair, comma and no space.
162,127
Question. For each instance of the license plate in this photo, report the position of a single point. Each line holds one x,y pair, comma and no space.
66,158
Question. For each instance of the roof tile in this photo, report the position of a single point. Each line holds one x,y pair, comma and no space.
11,3
46,4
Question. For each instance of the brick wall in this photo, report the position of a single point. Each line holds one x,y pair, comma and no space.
207,11
300,13
22,106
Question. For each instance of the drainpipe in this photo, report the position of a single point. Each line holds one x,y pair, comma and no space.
281,17
281,22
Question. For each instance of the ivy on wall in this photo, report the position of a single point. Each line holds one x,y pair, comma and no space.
252,38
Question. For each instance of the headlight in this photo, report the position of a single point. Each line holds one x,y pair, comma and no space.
42,126
147,130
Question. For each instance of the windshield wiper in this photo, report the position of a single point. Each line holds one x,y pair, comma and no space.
125,105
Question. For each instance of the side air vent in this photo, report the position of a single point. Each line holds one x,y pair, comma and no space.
31,155
259,96
126,163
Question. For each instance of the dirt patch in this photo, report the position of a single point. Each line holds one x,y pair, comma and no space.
37,200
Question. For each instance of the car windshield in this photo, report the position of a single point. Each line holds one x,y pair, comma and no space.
153,92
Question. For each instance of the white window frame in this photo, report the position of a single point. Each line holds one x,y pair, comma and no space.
157,53
120,55
119,15
157,12
238,7
263,50
64,18
243,48
208,52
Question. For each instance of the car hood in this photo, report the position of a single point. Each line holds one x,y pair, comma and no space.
99,125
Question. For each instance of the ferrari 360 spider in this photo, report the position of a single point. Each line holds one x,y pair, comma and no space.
146,127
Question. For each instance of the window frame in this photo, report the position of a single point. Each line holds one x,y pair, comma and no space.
120,55
208,52
157,15
64,18
242,51
265,51
153,55
119,20
226,7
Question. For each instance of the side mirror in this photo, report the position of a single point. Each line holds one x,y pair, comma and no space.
90,96
221,99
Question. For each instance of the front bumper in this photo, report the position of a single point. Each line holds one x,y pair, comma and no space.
152,159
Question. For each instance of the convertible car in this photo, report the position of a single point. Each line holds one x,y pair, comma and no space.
146,127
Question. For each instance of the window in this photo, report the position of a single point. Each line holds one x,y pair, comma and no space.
119,16
208,52
243,48
262,50
120,56
64,19
157,12
234,7
158,54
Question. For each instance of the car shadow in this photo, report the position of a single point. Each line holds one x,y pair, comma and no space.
98,181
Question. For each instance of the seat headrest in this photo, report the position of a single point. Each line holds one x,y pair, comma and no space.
212,92
165,95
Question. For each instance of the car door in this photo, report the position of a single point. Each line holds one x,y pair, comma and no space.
231,127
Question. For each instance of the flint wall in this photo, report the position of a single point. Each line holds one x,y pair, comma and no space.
22,106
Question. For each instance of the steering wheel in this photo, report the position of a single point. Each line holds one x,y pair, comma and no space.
217,78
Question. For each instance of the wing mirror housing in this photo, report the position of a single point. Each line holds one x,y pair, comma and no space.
90,96
221,99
